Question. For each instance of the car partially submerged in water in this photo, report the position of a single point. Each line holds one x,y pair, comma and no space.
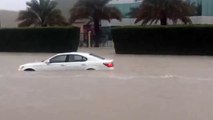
70,61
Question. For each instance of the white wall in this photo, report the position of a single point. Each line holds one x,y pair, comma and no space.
8,18
202,19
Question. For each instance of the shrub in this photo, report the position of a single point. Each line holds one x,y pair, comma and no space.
194,39
39,39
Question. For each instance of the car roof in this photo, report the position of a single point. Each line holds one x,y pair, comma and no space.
79,53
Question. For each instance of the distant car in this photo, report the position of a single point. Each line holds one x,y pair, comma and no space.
70,61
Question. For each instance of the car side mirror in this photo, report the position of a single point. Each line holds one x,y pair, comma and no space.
47,62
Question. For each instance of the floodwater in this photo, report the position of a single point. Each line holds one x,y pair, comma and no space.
142,87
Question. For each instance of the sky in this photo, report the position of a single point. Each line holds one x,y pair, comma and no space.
17,5
14,5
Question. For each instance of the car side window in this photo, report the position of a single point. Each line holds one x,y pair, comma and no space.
58,59
76,58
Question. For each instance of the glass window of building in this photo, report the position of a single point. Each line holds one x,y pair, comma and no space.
207,7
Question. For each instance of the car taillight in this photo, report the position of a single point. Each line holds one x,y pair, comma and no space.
109,64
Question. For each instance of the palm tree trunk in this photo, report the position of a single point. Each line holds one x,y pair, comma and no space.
97,31
43,22
163,21
43,25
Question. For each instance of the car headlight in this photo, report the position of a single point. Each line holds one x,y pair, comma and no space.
21,68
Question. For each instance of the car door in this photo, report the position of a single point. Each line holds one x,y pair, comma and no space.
76,62
57,63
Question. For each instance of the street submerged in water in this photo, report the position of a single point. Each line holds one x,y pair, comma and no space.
142,87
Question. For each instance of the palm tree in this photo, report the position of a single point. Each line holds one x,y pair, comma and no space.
151,11
96,10
41,13
132,12
197,6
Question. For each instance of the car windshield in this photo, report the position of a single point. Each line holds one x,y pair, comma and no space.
97,56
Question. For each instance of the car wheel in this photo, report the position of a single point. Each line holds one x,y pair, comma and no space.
90,69
29,69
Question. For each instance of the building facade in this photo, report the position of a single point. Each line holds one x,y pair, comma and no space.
207,7
8,19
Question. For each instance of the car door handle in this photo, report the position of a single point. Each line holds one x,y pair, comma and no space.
83,64
62,65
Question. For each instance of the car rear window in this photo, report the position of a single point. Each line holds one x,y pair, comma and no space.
97,56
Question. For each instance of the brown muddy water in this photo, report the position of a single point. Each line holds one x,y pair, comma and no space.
142,87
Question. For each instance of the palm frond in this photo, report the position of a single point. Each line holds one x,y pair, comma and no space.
26,23
79,13
155,10
27,18
55,18
109,12
39,13
94,8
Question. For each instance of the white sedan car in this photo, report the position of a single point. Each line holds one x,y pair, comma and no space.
70,61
